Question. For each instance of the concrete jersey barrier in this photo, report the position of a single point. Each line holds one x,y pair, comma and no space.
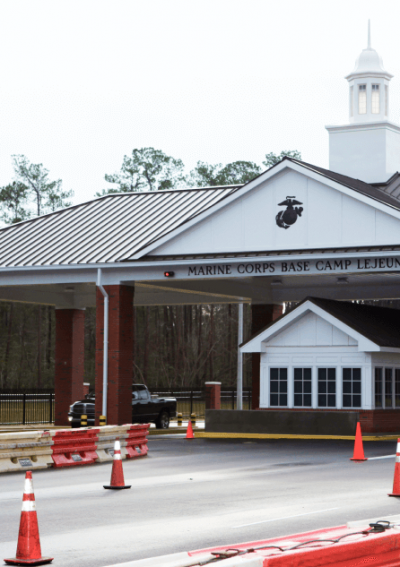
25,450
30,450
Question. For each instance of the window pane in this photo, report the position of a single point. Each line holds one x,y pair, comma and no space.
346,401
298,374
331,401
298,400
307,400
298,387
307,387
356,387
375,99
274,374
274,400
283,400
307,374
283,386
362,99
331,373
331,387
378,387
322,401
356,374
346,374
321,374
275,387
347,387
397,388
356,401
322,387
283,373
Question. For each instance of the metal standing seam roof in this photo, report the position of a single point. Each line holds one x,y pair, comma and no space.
107,229
113,228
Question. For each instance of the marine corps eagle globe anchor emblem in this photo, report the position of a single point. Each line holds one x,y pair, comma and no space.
284,219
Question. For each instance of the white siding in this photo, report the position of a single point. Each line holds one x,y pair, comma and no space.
311,330
329,219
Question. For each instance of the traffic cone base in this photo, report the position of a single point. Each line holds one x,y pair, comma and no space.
117,481
41,561
358,454
28,547
189,432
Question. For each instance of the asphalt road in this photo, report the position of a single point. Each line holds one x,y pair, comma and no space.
191,494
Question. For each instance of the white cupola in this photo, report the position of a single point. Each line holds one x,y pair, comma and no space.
368,148
369,87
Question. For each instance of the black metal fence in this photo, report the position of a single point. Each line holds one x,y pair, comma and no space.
26,406
37,406
194,401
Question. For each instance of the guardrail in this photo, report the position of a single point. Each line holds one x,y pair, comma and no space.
30,450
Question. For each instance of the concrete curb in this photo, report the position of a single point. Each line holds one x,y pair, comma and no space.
212,435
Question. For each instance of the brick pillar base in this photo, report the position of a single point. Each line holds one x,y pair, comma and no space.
120,354
261,316
213,395
69,361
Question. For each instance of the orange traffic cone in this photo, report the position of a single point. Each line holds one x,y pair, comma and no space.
189,432
396,478
358,454
117,481
28,547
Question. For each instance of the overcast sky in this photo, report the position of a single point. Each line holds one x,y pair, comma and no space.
83,82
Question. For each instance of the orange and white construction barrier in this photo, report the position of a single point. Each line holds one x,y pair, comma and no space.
396,478
117,474
358,454
28,547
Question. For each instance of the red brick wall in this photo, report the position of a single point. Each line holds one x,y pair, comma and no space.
120,353
380,421
372,421
69,361
213,395
261,316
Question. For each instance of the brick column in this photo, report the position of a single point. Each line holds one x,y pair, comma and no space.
69,361
261,316
120,353
213,395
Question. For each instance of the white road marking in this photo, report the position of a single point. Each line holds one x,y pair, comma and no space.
385,457
285,517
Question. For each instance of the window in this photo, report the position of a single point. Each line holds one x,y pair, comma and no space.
302,387
351,101
378,388
386,100
326,387
278,387
351,387
362,99
397,388
388,388
375,99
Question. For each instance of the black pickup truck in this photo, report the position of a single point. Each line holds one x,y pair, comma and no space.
145,408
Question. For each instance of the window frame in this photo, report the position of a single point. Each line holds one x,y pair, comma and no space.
352,394
395,381
279,393
327,368
303,393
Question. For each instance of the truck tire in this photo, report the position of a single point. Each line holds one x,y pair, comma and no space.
162,421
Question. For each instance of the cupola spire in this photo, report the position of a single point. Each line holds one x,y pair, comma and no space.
369,34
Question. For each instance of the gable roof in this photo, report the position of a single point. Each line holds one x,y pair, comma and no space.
380,325
355,184
122,226
107,229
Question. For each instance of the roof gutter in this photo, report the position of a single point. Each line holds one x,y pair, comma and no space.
105,343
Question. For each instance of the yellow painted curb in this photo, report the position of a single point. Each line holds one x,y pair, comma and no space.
209,435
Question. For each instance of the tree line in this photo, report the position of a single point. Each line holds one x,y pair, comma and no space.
175,346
